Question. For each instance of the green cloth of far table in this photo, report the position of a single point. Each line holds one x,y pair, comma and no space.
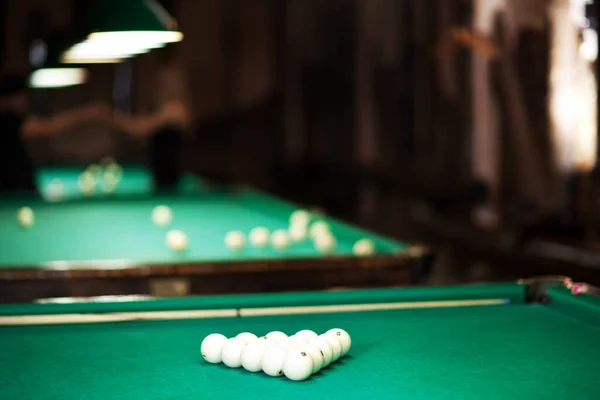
513,350
119,230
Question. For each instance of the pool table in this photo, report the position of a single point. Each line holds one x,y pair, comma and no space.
531,339
106,245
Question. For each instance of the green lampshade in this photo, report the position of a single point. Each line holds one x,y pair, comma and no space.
51,73
134,21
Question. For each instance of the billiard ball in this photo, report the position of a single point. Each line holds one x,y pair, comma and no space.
343,337
317,229
94,169
114,169
300,217
326,350
247,337
279,239
55,190
232,352
272,360
325,242
317,356
277,336
162,215
235,240
298,365
266,341
335,344
108,187
298,233
25,217
259,236
177,240
211,347
307,333
363,247
87,183
299,340
252,355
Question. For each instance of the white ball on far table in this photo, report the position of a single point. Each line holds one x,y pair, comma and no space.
177,240
247,337
232,352
272,360
325,348
318,228
298,233
363,247
298,365
307,333
212,346
335,344
259,236
162,215
343,337
300,217
317,356
325,242
279,239
235,240
252,355
25,217
55,189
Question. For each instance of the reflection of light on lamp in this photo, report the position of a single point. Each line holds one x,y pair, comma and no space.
57,77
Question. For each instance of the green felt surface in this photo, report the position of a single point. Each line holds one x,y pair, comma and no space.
120,229
511,351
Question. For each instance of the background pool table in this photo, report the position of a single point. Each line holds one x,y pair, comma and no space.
108,245
463,342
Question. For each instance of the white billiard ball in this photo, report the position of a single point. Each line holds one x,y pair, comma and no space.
300,217
298,233
299,340
232,352
272,360
343,337
307,333
326,350
363,247
325,242
298,365
94,169
317,356
279,239
335,344
259,236
177,240
25,217
162,215
87,183
55,190
247,337
266,341
317,229
252,355
212,346
277,336
235,240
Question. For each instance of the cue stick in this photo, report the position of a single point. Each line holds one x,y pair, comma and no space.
46,319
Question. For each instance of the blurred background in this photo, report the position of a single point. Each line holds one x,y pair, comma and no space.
469,126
